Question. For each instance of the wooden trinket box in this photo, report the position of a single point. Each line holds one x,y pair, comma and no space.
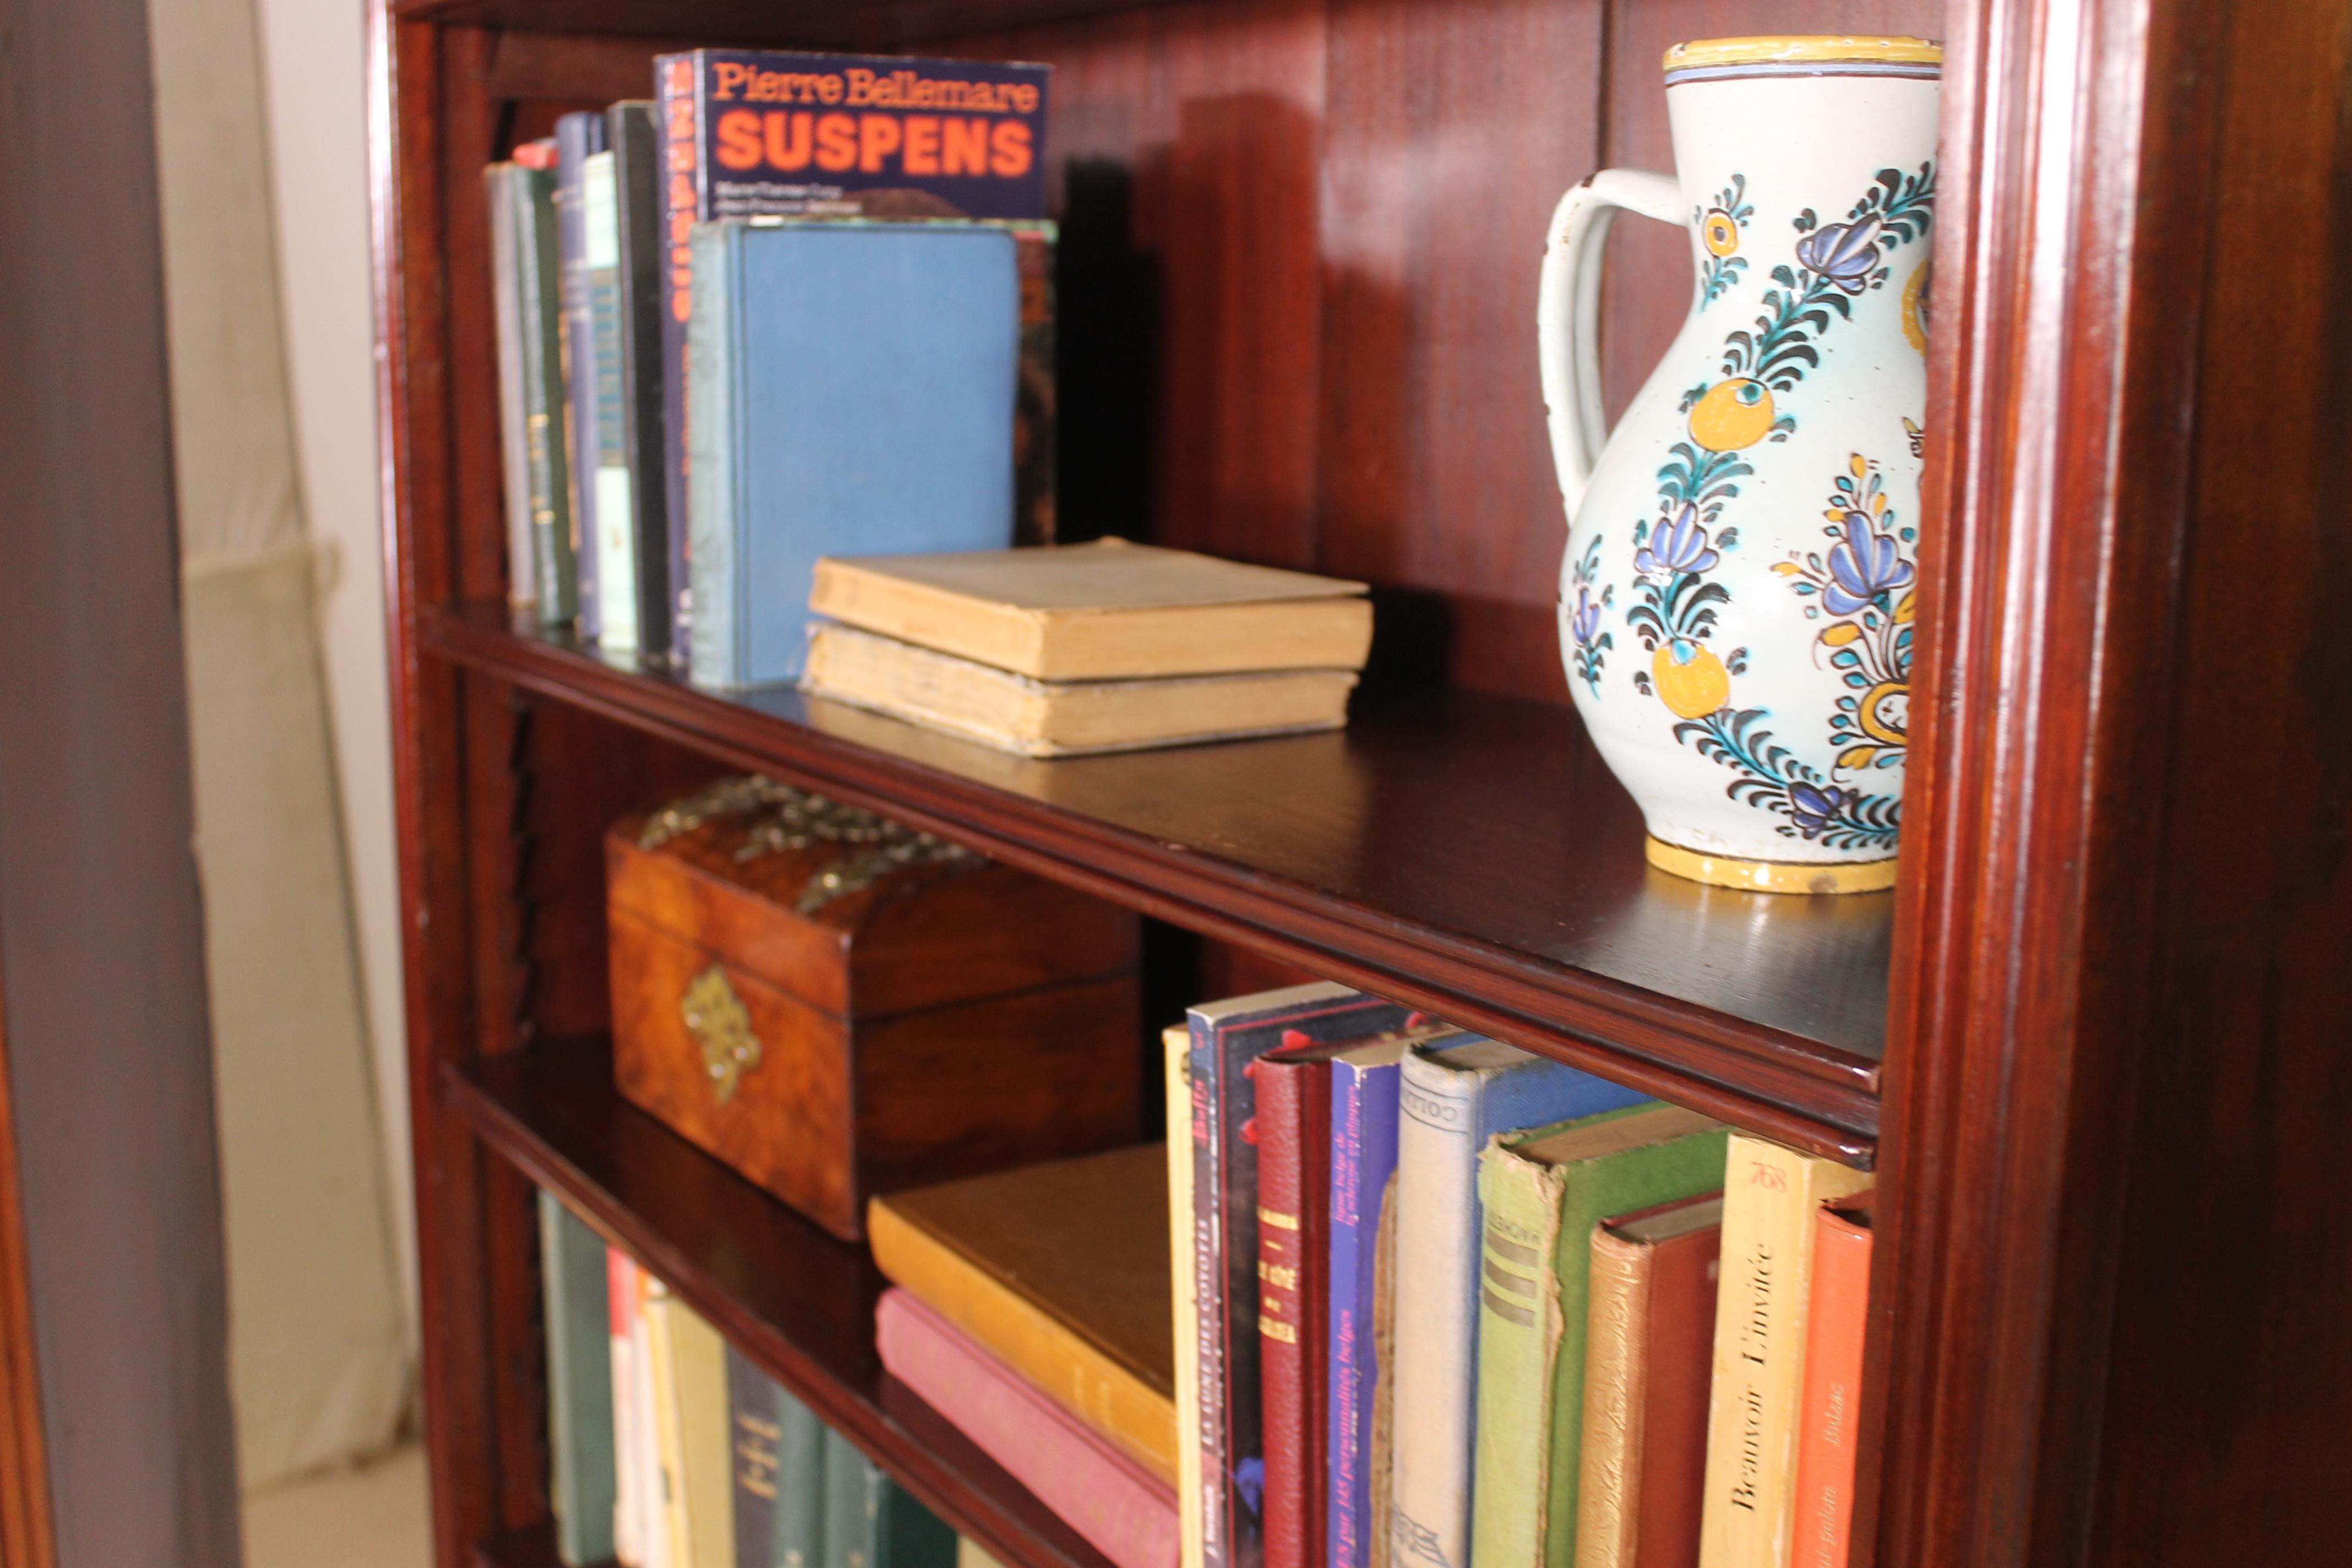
839,1006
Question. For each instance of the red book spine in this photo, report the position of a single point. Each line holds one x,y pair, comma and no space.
1128,1513
1832,1386
1293,1117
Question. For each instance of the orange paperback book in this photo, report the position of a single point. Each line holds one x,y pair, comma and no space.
1833,1383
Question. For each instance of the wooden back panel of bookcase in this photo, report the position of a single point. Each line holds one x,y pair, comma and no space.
1299,249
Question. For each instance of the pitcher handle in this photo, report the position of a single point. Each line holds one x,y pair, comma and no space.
1568,314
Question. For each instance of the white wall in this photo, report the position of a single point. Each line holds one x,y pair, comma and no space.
313,69
321,1346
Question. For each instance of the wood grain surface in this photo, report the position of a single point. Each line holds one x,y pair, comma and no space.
797,1302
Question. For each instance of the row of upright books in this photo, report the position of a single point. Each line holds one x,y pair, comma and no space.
789,306
1425,1301
1394,1296
669,1449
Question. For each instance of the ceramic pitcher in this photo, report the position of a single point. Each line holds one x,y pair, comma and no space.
1735,603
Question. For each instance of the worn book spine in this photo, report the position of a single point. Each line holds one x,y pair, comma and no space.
1123,1510
800,1486
1063,1363
577,137
1648,1358
1832,1388
686,180
579,1383
1225,1044
546,451
715,654
1763,1302
1534,1292
1448,1105
514,434
1293,1131
613,514
1210,1502
1176,1046
849,1534
634,137
756,1432
1363,1158
1617,1365
905,1533
690,1363
631,1506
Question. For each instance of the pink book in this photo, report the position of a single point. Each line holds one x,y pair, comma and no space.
1126,1511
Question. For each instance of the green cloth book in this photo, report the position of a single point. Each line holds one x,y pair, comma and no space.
800,1486
1543,1191
579,1383
871,1522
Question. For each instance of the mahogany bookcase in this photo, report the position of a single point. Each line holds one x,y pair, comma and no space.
2096,1043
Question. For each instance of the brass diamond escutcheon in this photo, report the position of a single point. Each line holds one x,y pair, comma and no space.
714,1016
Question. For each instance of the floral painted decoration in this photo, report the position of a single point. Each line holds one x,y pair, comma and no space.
1718,230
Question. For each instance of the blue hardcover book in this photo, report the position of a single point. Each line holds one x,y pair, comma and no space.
1449,1104
579,137
1227,1038
853,388
1363,1162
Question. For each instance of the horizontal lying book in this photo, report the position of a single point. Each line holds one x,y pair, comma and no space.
1067,718
1127,1512
1105,611
1060,1270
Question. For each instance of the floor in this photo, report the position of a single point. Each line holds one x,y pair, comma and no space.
370,1518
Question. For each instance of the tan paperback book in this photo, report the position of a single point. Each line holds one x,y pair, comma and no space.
1105,611
1059,718
1770,1196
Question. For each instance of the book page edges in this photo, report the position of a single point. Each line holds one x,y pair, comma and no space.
1094,644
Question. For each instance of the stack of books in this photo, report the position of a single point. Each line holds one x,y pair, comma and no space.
1031,1309
668,1449
1428,1299
1388,1295
854,304
1095,648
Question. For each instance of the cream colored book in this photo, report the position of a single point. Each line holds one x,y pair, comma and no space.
1065,718
1176,1043
1105,611
690,1365
1762,1296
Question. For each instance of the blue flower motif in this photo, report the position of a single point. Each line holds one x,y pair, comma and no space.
1587,619
1814,807
1861,567
1679,545
1845,254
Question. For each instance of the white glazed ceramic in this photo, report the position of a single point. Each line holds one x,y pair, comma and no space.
1735,603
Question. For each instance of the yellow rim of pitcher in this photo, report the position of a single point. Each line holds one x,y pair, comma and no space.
1715,60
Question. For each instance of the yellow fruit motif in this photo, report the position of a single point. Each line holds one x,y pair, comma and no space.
1884,712
1721,235
1915,297
1693,684
1733,415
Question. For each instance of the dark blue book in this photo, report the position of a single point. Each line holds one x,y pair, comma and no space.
636,144
1227,1038
578,137
853,388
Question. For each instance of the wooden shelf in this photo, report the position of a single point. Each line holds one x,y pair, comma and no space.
851,25
1457,852
791,1298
